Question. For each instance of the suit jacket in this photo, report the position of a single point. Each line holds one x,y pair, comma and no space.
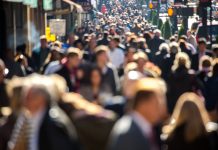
65,73
126,135
39,56
56,131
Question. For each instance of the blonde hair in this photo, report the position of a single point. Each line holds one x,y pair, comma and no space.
190,111
181,59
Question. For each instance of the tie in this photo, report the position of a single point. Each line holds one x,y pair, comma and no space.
152,140
22,139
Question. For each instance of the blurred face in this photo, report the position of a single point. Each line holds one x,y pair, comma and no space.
102,58
141,63
113,44
55,55
95,77
43,43
73,61
34,102
154,109
71,39
80,46
202,47
130,54
189,33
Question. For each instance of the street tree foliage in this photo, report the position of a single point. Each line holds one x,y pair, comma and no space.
181,31
160,24
155,19
166,29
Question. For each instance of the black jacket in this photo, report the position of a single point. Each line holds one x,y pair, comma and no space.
56,131
211,93
179,82
65,73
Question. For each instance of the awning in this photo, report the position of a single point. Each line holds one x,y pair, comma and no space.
73,7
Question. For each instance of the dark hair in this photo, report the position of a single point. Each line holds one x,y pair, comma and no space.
142,96
72,55
94,68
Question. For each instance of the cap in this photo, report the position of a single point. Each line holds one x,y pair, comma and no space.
102,48
42,37
73,50
202,40
215,47
57,49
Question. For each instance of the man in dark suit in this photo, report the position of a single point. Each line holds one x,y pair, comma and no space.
69,69
202,50
104,40
155,43
135,130
41,124
39,55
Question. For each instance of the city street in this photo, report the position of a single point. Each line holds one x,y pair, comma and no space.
108,75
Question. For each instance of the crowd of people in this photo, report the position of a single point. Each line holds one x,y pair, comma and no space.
114,84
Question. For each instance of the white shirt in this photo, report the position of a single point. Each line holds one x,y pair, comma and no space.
116,57
53,67
142,123
36,122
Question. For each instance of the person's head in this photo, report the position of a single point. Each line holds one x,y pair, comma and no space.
149,99
114,42
2,70
21,49
130,53
157,33
130,78
43,41
191,113
181,60
56,53
183,37
101,53
38,93
205,63
164,48
172,39
140,58
95,76
202,45
174,48
74,56
215,50
183,45
92,42
71,38
189,33
79,44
